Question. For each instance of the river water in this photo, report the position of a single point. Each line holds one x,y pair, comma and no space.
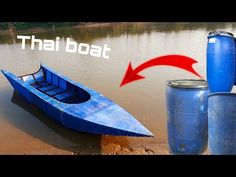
24,129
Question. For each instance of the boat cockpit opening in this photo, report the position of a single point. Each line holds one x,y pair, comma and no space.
56,87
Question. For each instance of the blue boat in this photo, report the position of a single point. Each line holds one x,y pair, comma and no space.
74,105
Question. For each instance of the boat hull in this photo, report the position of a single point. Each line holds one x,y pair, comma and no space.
98,115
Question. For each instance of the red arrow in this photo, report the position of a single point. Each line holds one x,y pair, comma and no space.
179,61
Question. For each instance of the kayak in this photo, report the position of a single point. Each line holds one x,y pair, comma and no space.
74,105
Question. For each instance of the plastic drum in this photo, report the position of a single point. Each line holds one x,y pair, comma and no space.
187,116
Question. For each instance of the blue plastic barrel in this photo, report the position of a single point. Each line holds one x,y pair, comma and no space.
220,61
222,123
187,116
235,60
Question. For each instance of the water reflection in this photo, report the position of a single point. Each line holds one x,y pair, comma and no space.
87,34
80,143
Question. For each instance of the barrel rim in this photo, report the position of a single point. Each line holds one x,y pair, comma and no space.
170,83
220,33
222,93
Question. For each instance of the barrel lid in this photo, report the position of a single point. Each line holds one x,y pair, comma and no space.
187,83
220,33
222,94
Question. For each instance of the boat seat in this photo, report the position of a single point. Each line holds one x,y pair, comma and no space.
55,91
52,90
47,88
40,84
64,95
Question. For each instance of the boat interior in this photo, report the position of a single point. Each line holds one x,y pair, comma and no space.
56,87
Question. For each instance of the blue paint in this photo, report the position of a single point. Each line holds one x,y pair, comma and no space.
74,105
187,116
222,123
220,61
235,60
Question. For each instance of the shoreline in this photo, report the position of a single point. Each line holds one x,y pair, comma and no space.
82,25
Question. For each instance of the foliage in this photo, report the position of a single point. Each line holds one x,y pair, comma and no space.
31,25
